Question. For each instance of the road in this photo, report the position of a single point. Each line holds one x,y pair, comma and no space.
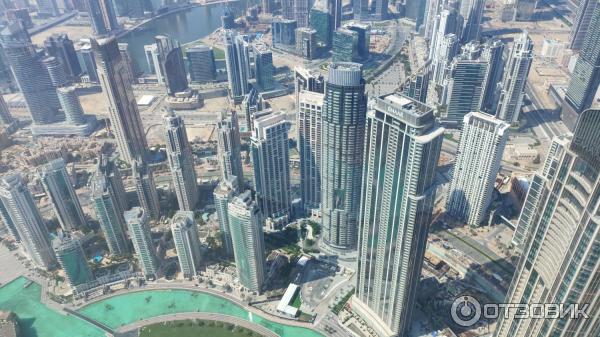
550,125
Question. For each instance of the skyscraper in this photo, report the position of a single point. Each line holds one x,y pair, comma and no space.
310,110
402,149
109,200
335,9
125,120
181,162
305,79
306,43
129,63
56,71
88,62
586,75
6,119
47,8
223,194
27,220
345,45
170,61
525,10
465,89
71,106
252,105
417,87
229,149
146,189
62,48
141,236
581,23
447,49
263,66
472,12
301,8
322,22
187,243
201,64
103,17
492,52
34,82
560,259
364,40
71,257
271,162
515,79
343,124
237,60
482,141
59,189
245,223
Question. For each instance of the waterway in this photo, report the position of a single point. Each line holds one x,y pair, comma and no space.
185,26
38,320
127,308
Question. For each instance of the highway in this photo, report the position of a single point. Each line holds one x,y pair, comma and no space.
542,119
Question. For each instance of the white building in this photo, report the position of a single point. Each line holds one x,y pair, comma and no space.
187,243
482,141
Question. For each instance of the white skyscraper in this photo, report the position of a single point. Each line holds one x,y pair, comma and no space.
228,148
402,149
515,79
25,217
310,106
237,60
271,158
59,188
247,237
223,194
480,149
181,162
141,236
187,243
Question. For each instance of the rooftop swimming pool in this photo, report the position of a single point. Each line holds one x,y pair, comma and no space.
38,320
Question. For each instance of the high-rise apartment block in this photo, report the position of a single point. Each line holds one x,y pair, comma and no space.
482,141
18,203
103,16
181,162
309,126
229,149
402,149
59,189
343,124
125,120
187,243
223,194
245,223
71,257
146,189
561,252
139,229
271,162
109,200
515,79
237,59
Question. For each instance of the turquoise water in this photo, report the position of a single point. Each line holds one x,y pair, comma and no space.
36,319
124,309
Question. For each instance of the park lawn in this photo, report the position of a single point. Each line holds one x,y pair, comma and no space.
194,329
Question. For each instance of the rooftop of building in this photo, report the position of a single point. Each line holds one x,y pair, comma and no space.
405,108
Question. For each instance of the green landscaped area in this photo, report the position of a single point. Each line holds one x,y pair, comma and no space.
195,329
35,318
127,308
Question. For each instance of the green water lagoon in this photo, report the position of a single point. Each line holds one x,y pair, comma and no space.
127,308
38,320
